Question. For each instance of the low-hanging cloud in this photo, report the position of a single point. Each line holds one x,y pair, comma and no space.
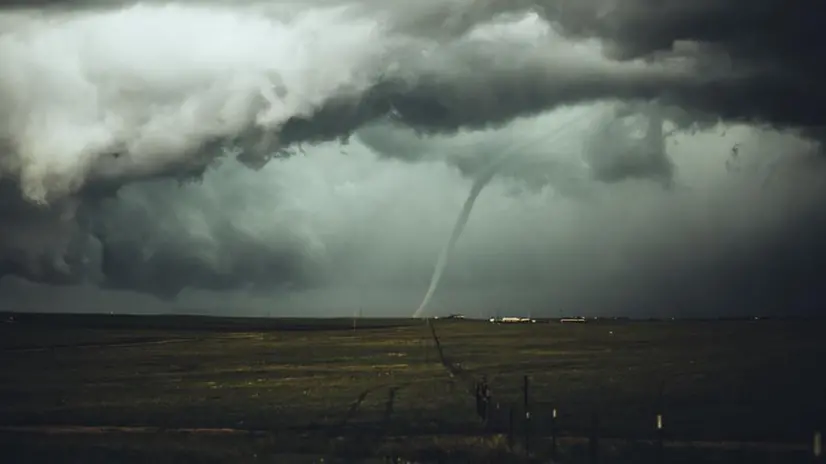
101,121
96,98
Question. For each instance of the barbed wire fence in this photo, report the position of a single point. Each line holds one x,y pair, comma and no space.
532,428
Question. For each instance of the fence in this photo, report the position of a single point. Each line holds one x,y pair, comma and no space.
519,423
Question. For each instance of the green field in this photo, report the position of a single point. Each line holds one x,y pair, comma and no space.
120,389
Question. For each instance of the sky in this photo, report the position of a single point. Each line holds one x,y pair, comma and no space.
631,158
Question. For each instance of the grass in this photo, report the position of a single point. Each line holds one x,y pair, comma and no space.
316,388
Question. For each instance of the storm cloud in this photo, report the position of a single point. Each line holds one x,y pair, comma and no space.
315,154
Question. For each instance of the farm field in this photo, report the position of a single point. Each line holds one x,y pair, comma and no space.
190,389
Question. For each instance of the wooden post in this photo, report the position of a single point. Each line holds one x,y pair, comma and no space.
659,423
527,415
488,407
660,438
553,434
593,448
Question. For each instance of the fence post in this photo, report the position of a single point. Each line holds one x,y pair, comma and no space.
593,447
817,448
553,434
660,438
659,423
488,410
527,415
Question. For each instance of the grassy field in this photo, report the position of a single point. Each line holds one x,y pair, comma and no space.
302,390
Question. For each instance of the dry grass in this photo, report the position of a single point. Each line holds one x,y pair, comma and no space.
380,391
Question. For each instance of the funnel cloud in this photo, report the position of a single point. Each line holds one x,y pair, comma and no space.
310,158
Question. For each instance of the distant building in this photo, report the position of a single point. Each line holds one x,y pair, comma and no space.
513,320
452,316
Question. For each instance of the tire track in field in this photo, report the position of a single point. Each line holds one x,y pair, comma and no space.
356,405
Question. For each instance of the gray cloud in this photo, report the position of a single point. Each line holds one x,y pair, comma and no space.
100,119
112,121
775,43
328,233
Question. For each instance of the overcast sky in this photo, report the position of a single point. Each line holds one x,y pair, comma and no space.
312,158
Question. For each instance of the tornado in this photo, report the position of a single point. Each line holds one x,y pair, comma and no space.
478,185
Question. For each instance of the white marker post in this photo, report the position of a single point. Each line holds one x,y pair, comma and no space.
817,447
660,439
553,434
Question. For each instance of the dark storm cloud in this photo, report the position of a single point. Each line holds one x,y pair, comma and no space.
778,44
771,50
42,242
151,247
467,82
464,82
484,80
763,62
703,60
630,144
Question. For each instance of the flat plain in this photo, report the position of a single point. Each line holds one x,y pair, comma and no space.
99,388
